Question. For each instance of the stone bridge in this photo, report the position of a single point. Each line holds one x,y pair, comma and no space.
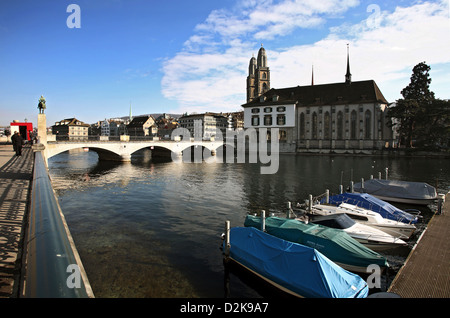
122,150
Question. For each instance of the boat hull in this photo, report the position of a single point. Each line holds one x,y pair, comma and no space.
370,218
406,200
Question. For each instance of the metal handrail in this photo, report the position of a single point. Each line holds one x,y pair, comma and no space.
53,266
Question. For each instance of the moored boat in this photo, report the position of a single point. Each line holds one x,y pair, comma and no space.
372,238
419,193
395,228
335,244
294,268
369,202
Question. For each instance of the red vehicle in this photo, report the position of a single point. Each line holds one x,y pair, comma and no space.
24,129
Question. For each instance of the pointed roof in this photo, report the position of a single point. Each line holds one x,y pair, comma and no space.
325,94
348,75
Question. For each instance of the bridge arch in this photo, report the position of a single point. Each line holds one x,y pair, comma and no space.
103,153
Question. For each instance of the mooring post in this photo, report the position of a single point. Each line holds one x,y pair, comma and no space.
441,200
310,203
341,189
379,175
351,186
386,173
362,183
327,196
288,213
227,238
263,220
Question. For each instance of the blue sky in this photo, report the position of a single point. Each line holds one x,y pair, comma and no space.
179,56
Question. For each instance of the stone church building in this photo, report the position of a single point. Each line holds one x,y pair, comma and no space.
346,117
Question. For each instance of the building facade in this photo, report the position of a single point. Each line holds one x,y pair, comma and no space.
71,128
204,126
338,117
141,126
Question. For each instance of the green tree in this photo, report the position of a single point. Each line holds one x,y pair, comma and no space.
421,118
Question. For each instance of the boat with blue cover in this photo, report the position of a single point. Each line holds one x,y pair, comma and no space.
369,202
335,244
294,268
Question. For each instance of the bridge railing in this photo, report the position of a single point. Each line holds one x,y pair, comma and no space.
53,266
92,138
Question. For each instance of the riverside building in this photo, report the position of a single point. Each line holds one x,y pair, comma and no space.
346,117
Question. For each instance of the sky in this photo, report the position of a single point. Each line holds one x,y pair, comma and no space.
98,59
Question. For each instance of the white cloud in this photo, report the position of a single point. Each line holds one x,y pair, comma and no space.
210,74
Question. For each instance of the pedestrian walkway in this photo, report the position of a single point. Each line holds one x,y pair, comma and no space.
15,179
426,273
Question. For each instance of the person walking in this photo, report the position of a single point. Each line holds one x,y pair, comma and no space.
17,142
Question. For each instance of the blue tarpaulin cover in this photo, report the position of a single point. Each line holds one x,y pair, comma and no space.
369,202
296,267
335,244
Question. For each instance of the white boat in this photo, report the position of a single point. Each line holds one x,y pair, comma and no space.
372,238
360,215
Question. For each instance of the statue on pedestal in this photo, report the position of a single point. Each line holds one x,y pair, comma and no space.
41,105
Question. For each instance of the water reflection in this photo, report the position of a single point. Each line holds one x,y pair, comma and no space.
151,228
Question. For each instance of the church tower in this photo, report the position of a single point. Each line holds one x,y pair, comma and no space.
258,79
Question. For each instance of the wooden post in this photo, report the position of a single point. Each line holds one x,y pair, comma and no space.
386,173
288,213
327,196
351,186
263,220
227,238
341,189
310,203
362,183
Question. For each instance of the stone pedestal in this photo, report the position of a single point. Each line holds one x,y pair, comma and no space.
42,129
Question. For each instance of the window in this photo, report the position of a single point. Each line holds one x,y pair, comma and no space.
255,110
314,125
282,135
281,109
281,120
302,126
340,125
367,126
327,126
268,109
255,121
268,120
353,125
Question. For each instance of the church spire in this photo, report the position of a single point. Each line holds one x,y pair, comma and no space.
131,117
348,76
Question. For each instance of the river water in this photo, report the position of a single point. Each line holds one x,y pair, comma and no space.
151,228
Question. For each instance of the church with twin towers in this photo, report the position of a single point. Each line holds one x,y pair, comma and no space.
343,117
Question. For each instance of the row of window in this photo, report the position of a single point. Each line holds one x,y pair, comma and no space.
367,124
280,109
281,120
